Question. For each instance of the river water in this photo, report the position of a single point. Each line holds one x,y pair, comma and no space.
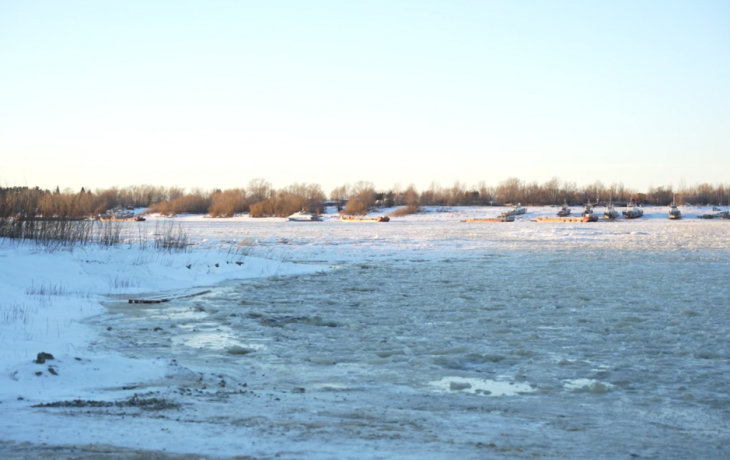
523,341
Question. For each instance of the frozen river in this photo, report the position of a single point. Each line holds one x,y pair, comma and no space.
606,340
432,338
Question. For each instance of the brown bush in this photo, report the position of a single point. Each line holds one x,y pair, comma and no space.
227,203
281,206
262,209
356,207
362,198
193,203
404,211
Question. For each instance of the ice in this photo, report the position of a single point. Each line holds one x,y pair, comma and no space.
437,339
481,387
587,385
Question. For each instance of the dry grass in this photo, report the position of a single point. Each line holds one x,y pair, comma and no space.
169,238
50,234
404,211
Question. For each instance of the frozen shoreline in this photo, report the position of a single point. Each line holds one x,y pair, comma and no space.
48,299
252,405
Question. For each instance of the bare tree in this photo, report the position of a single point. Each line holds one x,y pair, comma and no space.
510,190
340,194
362,198
410,196
397,194
258,190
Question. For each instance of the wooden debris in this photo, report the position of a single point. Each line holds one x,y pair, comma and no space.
168,297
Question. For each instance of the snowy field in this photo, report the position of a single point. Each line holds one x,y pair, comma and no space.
424,337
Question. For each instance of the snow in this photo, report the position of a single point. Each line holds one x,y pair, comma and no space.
47,296
424,337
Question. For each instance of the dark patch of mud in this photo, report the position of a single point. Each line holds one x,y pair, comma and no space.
281,321
136,401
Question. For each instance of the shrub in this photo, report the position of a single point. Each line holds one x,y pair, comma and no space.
362,198
191,203
356,207
404,211
281,206
228,203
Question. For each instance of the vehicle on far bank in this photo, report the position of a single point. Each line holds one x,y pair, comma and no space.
610,212
674,212
718,215
564,210
515,211
590,218
587,209
633,211
303,216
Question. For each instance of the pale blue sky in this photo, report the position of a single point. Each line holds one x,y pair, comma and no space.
213,94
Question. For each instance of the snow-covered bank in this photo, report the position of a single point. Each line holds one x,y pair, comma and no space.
46,297
456,213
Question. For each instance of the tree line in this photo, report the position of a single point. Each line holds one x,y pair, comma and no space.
261,199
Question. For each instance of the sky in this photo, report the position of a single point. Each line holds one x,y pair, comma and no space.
212,94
